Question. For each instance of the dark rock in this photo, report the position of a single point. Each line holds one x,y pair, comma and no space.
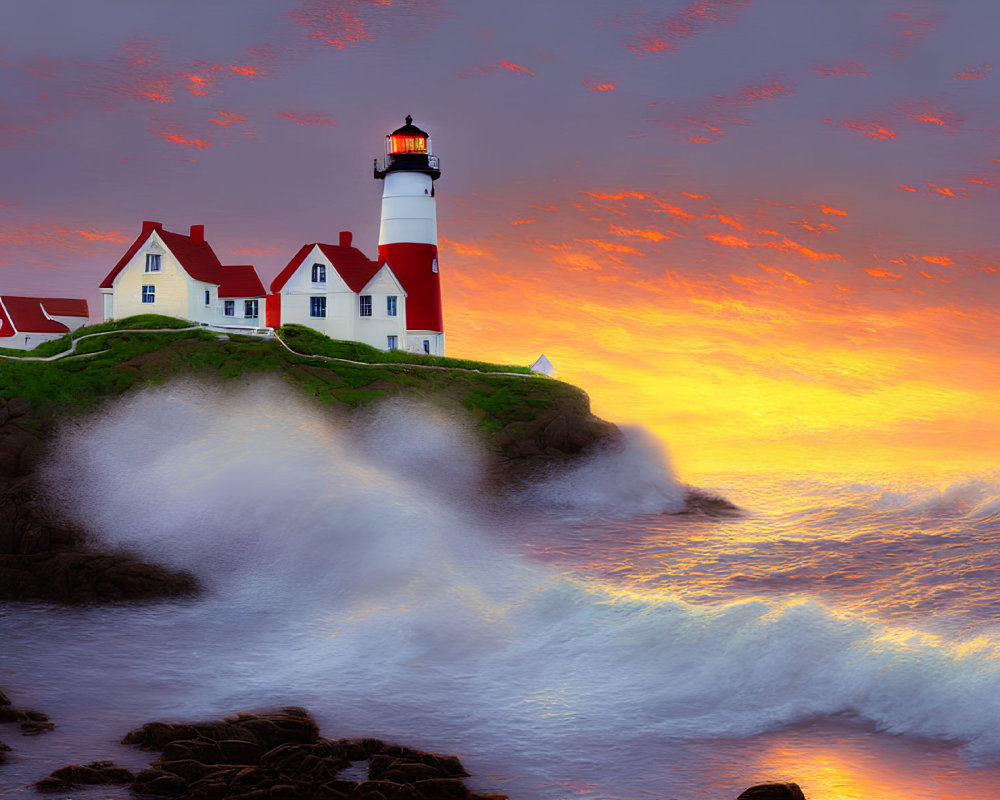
773,791
18,407
160,783
4,700
155,735
98,773
51,785
32,728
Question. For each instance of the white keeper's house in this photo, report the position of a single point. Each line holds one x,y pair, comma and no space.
391,302
180,276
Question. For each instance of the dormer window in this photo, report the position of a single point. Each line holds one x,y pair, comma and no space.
319,273
152,262
365,305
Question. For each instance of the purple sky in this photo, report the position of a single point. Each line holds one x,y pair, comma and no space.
835,155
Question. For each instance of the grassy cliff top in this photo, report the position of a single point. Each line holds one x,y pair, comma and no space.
105,366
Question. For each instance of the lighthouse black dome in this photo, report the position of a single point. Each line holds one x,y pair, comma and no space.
409,129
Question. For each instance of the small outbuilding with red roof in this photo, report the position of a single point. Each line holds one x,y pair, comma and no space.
26,322
180,276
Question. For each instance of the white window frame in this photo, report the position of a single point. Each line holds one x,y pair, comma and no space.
148,293
153,263
427,346
247,305
390,305
229,308
364,305
393,342
319,273
317,304
208,297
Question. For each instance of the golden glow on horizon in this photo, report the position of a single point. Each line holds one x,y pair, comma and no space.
749,366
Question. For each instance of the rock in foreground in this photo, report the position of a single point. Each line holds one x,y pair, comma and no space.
277,757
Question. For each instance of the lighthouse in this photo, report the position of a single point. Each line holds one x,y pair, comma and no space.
407,239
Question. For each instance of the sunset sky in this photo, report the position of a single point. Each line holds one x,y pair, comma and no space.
767,230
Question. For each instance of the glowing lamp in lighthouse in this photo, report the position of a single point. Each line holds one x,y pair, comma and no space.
407,238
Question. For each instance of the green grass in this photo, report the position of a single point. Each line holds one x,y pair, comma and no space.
306,340
55,346
106,366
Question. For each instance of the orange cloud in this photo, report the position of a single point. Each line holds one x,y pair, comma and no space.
230,118
870,127
669,208
843,68
936,114
944,190
974,72
521,221
905,188
174,133
665,35
980,181
93,235
654,236
337,27
834,211
732,223
785,245
599,87
707,120
306,119
943,261
515,67
881,273
909,30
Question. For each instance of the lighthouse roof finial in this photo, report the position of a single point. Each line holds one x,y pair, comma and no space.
409,120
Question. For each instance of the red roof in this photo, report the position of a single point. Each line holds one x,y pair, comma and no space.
65,307
351,264
240,281
198,260
26,315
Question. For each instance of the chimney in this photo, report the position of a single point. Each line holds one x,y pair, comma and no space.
345,238
149,226
198,234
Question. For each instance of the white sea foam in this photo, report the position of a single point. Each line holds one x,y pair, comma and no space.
614,481
342,579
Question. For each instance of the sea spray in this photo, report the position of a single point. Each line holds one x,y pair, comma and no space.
344,581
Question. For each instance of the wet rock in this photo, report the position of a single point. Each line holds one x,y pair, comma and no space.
282,757
773,791
100,773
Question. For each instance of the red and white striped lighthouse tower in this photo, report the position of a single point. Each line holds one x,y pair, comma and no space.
407,238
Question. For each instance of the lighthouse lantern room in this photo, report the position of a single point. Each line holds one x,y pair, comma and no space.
407,239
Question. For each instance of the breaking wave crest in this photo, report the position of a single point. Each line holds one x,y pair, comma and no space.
342,554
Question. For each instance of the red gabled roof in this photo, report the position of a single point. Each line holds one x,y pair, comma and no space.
351,264
147,228
65,307
198,259
27,316
240,281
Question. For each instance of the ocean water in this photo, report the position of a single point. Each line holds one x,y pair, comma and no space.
576,638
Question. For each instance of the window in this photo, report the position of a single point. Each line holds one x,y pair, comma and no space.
152,262
319,273
229,308
393,342
149,294
249,308
390,305
434,265
208,298
317,306
366,305
427,346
